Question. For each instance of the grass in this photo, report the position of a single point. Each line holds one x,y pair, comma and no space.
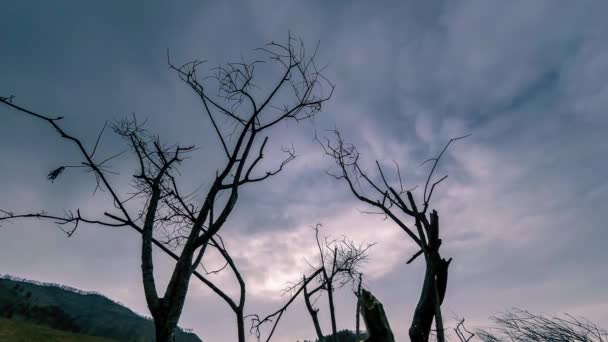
12,331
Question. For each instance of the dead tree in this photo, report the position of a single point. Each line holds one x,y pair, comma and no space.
338,265
241,114
523,326
376,321
398,204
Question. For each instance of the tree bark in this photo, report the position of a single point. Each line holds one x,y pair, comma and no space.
376,322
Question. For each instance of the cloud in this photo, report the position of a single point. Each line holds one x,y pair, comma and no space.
521,211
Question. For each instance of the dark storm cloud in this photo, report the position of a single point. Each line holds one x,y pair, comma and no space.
522,208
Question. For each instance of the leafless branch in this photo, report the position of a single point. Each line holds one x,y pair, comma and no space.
275,317
460,331
339,262
400,205
157,206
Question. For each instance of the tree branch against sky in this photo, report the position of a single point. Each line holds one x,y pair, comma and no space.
338,263
297,94
527,78
389,201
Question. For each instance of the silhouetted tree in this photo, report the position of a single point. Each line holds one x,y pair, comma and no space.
339,261
397,203
241,114
339,265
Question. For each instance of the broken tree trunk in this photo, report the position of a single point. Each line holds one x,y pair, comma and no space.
376,322
425,310
433,288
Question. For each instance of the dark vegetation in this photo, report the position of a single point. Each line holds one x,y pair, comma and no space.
79,312
18,331
340,336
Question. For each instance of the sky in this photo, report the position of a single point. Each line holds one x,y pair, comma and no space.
521,211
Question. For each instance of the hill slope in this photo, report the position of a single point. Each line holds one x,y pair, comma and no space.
14,331
69,309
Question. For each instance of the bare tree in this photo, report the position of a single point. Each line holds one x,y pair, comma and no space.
339,262
388,200
241,115
523,326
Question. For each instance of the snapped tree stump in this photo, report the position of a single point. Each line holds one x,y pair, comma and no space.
376,322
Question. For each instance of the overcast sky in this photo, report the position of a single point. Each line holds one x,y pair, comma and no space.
522,209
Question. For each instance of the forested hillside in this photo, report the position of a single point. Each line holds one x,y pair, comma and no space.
67,309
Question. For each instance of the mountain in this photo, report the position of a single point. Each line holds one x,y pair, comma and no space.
68,309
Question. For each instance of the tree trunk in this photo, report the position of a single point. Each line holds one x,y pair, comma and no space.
166,316
332,310
376,322
422,322
164,332
313,312
240,323
433,288
357,314
169,310
358,309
